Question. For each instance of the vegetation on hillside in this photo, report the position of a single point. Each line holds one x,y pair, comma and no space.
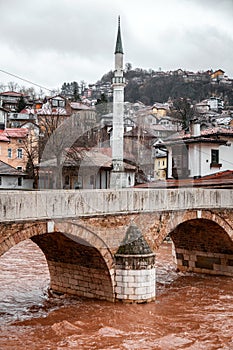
149,86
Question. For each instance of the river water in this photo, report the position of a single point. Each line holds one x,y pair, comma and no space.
190,312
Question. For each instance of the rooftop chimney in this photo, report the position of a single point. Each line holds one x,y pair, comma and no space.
195,128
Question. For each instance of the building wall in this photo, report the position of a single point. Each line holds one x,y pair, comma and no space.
13,182
160,168
2,117
200,159
14,145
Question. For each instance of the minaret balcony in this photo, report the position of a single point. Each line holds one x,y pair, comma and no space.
118,80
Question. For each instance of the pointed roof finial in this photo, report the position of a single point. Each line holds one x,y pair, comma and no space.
119,48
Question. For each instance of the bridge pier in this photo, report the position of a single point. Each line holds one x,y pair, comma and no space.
202,246
135,269
204,262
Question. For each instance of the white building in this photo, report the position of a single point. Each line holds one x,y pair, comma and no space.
13,179
199,153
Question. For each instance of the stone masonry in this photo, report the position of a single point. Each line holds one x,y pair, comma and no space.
102,244
135,268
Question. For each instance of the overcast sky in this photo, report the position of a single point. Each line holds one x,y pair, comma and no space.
54,41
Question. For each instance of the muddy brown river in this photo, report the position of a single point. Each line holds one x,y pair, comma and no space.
190,312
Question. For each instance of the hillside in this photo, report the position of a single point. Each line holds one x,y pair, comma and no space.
149,86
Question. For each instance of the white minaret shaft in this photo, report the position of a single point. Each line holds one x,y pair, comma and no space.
118,84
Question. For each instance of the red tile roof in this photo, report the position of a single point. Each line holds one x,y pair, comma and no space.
12,93
209,131
220,179
8,133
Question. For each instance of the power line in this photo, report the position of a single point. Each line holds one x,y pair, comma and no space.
27,81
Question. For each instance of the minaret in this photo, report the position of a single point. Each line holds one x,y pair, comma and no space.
118,177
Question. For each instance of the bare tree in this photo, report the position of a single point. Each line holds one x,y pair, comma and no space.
2,87
12,86
60,139
30,147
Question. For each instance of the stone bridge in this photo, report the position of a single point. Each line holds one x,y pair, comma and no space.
102,243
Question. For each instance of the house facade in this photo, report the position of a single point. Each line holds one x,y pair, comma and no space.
11,178
199,153
10,100
160,165
86,169
12,147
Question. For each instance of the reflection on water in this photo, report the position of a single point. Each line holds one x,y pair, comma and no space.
190,312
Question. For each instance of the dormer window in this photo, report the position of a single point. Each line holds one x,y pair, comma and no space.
58,103
55,103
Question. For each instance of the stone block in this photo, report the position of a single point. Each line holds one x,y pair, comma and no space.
121,296
128,278
119,278
151,290
127,290
119,290
140,290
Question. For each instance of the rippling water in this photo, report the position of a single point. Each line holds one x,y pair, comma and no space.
190,312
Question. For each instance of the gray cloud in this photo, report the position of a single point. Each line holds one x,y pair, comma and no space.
54,41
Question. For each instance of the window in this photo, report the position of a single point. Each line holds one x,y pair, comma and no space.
55,103
19,168
20,181
9,152
19,153
214,156
0,181
58,103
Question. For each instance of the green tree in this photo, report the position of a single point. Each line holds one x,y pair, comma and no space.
184,111
128,67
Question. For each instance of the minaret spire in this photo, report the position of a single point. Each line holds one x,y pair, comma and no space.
119,48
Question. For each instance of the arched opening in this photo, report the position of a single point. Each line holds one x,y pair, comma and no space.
79,261
202,245
76,267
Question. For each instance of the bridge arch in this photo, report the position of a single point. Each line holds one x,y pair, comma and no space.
203,242
79,261
177,218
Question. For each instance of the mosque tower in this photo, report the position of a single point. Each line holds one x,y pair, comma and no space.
118,178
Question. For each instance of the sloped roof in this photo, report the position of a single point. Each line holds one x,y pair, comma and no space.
215,131
6,169
11,93
8,133
94,157
79,106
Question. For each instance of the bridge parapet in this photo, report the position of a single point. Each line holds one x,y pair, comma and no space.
62,204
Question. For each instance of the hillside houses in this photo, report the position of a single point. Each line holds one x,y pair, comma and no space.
147,127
